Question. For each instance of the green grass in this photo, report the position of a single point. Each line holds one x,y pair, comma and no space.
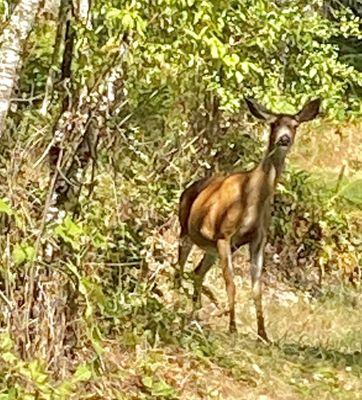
316,351
290,369
316,354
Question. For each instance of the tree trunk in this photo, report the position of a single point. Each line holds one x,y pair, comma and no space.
12,42
59,40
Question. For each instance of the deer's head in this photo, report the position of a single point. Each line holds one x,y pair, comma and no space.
284,126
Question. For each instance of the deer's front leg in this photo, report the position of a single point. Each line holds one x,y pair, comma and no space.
224,250
257,261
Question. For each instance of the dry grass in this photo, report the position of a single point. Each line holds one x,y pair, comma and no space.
326,147
316,350
317,341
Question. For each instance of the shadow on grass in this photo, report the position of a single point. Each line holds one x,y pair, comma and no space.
236,353
308,354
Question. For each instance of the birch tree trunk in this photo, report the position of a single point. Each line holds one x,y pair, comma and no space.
12,41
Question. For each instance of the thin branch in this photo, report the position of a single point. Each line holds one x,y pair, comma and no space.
30,272
6,301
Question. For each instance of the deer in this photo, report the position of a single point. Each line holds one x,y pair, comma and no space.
221,213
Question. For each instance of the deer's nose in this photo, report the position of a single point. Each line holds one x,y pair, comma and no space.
284,140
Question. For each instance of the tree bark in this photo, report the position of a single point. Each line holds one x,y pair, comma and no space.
59,40
12,42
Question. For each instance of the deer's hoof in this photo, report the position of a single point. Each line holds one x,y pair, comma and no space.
177,280
262,337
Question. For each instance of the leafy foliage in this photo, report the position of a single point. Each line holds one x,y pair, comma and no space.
312,229
163,82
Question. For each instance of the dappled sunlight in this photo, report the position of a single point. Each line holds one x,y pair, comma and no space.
109,111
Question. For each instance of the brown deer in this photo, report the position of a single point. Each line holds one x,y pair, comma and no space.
222,213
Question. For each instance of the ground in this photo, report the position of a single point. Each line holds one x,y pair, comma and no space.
316,352
316,349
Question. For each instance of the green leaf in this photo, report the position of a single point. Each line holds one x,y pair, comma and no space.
9,357
239,76
231,60
36,372
158,388
22,253
5,342
82,373
114,13
70,232
217,48
147,381
244,67
128,21
65,389
313,72
161,388
353,192
5,207
72,228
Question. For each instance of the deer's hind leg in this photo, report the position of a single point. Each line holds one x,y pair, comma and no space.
200,271
224,249
184,248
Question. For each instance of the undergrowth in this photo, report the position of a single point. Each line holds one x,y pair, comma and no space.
323,359
108,323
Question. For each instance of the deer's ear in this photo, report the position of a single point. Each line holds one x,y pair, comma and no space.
260,112
309,111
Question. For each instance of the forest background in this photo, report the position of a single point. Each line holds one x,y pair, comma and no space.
108,109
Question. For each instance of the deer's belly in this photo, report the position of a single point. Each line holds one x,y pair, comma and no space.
205,229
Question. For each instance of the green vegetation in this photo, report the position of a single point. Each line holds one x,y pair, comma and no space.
119,105
317,352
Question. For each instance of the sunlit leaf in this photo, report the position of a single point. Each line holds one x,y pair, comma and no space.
5,207
82,373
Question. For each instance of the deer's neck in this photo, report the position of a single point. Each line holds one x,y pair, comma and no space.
265,176
273,163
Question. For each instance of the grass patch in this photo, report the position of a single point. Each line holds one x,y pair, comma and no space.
316,353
